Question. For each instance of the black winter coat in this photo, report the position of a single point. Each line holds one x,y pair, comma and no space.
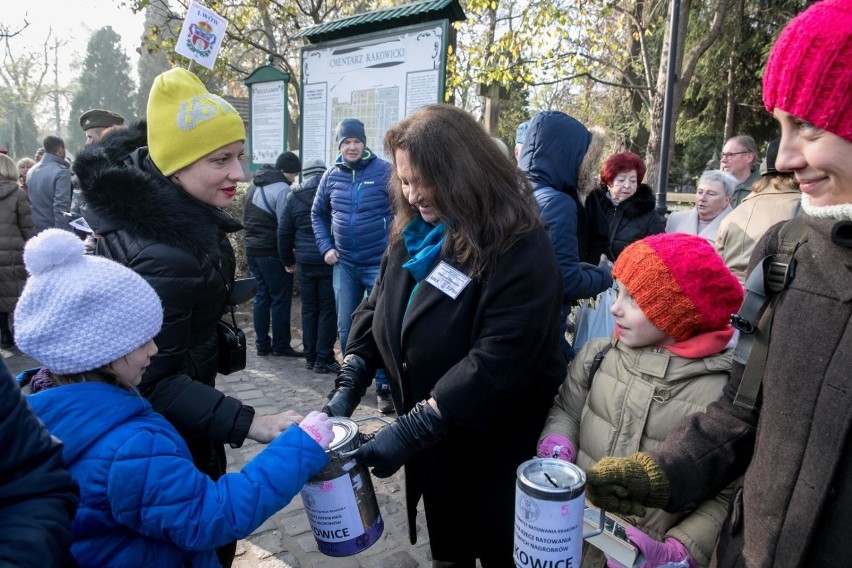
491,358
632,219
38,498
180,246
294,226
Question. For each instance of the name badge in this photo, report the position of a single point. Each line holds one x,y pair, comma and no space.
448,280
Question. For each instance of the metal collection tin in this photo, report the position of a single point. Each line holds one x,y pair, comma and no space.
340,500
549,504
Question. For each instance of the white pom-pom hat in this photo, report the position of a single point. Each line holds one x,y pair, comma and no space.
78,312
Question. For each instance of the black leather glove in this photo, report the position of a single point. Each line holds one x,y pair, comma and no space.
394,444
350,386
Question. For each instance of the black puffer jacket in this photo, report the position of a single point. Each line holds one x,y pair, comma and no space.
38,498
631,220
180,246
294,226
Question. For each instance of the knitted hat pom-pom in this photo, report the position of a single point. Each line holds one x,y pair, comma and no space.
51,249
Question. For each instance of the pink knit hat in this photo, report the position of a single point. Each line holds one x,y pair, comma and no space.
680,283
809,72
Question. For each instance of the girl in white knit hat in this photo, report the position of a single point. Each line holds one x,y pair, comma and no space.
143,502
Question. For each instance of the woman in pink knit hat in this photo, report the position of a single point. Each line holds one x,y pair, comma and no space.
668,357
790,452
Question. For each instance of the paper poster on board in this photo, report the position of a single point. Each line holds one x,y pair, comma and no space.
267,121
378,79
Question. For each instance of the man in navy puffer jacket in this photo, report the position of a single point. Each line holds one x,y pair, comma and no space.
554,147
351,216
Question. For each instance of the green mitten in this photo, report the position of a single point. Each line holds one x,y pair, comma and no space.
624,485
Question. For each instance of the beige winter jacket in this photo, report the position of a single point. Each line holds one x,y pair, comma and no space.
741,230
637,396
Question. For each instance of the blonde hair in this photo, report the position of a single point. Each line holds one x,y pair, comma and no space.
588,175
8,169
103,374
778,181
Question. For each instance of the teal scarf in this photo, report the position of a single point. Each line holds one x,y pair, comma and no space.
423,242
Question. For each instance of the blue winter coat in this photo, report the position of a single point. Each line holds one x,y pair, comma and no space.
351,211
553,152
142,501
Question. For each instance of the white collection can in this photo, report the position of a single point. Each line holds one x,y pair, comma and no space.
340,500
549,504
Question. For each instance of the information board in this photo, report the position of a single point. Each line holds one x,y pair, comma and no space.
377,79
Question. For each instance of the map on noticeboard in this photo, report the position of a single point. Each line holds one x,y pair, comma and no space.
377,79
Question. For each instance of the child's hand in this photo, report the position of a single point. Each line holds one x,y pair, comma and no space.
264,429
318,426
557,446
669,553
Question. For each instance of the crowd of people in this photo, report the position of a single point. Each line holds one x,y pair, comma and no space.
718,443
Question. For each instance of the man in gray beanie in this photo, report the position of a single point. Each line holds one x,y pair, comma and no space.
351,216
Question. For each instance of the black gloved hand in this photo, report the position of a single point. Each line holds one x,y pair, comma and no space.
352,381
394,444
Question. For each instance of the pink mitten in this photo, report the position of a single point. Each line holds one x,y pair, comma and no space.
656,553
557,446
318,426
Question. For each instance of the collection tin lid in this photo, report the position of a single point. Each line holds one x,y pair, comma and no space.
345,434
552,477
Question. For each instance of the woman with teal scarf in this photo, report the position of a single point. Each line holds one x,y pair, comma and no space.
464,319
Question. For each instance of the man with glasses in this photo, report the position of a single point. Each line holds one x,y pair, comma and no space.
739,158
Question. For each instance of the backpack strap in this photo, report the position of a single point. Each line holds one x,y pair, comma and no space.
269,209
596,362
764,287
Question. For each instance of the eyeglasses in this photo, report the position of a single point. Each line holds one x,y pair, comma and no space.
729,155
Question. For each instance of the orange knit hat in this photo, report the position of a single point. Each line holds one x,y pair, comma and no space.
680,284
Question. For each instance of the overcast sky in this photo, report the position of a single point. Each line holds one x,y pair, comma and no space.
72,21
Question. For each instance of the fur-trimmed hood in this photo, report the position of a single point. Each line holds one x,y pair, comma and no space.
123,189
637,204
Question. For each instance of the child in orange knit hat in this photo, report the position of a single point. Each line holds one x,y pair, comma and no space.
668,358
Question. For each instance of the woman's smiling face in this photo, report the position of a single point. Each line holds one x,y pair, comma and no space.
213,178
820,160
412,187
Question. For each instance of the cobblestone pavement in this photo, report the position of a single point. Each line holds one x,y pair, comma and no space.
273,384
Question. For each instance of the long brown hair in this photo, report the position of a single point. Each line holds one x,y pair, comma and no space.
483,200
780,181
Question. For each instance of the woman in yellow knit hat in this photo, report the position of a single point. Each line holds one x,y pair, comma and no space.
156,196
